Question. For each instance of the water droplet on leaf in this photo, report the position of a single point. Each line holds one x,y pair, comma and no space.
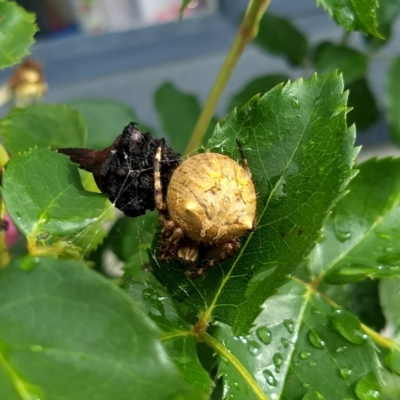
368,388
29,263
36,348
346,372
349,327
342,236
289,325
313,395
278,361
254,348
264,334
285,342
305,354
295,102
315,339
269,376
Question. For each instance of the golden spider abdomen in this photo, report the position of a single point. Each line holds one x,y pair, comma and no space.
212,198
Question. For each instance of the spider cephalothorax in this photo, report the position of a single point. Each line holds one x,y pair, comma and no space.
210,204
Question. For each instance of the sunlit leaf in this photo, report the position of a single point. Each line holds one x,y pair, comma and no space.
279,36
17,28
292,349
42,125
392,99
300,153
45,198
360,238
353,14
74,334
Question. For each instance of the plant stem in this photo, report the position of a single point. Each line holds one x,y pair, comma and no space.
248,30
4,254
220,349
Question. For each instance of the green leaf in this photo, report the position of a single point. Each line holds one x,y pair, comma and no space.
45,198
300,153
105,120
257,86
361,237
392,99
391,388
365,110
389,293
329,56
17,28
353,14
279,36
179,339
386,15
293,348
179,113
42,125
72,333
129,235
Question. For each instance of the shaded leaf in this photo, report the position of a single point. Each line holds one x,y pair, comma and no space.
257,86
179,340
392,99
105,120
279,36
329,56
365,111
129,235
353,14
389,293
360,238
293,348
300,153
391,388
42,125
45,198
17,27
74,333
386,14
178,112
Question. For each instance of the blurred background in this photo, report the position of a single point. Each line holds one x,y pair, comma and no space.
138,53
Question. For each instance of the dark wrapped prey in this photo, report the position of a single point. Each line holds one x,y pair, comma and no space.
124,170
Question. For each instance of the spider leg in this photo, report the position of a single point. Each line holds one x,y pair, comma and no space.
158,194
215,255
244,159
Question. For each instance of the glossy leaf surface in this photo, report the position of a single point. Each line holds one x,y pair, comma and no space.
45,198
105,120
300,154
360,238
74,335
392,99
178,338
293,348
329,56
170,102
279,36
17,27
353,14
42,125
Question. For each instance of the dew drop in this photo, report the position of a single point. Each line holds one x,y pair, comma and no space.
315,310
367,388
269,376
347,325
289,325
285,342
304,355
341,349
295,103
254,348
264,334
315,339
313,395
312,364
346,372
36,348
342,236
278,361
305,385
29,263
383,235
